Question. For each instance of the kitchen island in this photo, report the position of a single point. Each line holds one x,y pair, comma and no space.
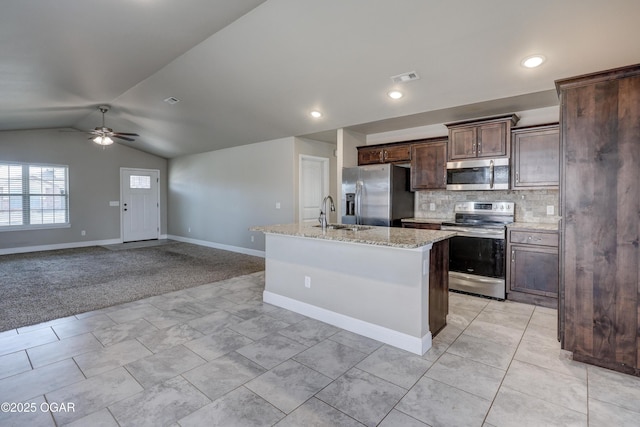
386,283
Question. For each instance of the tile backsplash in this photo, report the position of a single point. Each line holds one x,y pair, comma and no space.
530,205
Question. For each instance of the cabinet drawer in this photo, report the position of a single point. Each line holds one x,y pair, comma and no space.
534,238
422,225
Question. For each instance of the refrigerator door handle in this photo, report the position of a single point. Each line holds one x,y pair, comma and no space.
358,200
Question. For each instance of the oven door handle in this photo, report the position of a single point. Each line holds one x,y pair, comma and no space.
474,232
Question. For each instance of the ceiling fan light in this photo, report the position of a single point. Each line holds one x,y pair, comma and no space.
103,140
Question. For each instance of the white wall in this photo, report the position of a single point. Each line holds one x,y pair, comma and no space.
94,180
215,197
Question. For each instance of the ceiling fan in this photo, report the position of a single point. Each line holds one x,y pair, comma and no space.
104,134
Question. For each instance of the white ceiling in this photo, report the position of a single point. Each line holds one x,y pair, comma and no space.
251,70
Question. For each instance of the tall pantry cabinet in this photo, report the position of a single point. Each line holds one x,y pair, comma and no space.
600,228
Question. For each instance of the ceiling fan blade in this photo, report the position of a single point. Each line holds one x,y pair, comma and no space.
123,137
125,134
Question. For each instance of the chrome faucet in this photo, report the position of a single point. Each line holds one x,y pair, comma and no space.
323,215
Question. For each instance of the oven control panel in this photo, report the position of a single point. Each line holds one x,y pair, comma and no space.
485,207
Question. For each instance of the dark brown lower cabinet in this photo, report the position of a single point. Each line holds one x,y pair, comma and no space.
532,267
422,225
600,209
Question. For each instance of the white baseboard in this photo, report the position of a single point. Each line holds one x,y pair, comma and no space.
388,336
214,245
25,249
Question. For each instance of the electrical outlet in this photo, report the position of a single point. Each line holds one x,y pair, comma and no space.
550,210
83,233
189,230
252,239
277,205
307,282
432,206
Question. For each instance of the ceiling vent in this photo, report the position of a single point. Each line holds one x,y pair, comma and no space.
171,100
405,77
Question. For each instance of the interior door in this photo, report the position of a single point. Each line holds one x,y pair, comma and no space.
140,204
314,186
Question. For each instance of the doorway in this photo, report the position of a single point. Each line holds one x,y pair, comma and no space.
314,185
140,204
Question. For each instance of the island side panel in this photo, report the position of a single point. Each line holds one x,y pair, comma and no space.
439,286
380,285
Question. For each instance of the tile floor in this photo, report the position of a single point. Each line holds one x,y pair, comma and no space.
216,355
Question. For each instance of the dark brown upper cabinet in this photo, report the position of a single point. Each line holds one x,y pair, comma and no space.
374,154
429,164
481,138
536,157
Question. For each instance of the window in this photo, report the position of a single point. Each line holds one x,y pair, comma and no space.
33,196
140,182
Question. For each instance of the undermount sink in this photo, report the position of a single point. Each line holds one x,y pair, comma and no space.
348,227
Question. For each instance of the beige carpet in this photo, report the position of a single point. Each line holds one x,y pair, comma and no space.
41,286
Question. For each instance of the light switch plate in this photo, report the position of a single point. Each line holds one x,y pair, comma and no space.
550,210
114,203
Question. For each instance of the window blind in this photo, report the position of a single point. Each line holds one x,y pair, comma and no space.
33,195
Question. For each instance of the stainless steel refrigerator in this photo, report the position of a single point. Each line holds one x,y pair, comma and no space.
376,195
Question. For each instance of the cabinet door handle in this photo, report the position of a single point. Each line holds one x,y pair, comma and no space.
386,155
473,148
381,156
479,147
517,176
513,255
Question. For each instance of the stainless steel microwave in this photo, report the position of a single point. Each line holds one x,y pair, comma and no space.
481,174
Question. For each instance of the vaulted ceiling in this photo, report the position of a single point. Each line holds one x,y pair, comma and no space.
251,70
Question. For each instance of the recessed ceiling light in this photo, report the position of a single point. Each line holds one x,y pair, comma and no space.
533,61
395,94
316,114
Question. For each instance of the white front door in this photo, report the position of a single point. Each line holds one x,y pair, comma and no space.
140,204
314,186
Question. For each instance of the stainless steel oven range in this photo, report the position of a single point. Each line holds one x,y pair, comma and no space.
477,253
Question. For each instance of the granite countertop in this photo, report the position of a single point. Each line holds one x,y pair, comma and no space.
406,238
538,226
